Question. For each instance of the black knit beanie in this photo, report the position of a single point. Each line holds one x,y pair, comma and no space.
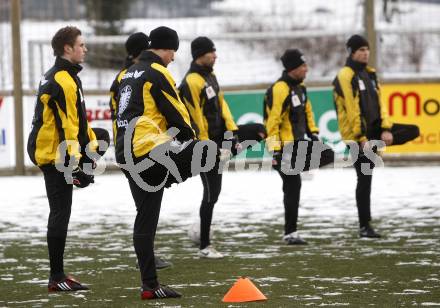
164,38
200,46
292,58
355,42
136,43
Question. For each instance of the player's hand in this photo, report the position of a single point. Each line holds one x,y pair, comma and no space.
236,145
276,160
363,144
387,137
314,137
81,179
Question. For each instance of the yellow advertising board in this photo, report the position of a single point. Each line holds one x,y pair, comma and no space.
417,104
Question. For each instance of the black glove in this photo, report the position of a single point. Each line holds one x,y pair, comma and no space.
252,131
87,160
81,179
185,134
236,146
276,160
314,137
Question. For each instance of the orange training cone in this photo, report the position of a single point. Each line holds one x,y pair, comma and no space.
243,290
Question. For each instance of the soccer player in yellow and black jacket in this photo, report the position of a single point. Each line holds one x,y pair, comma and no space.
60,115
362,116
154,130
210,112
135,44
289,121
201,94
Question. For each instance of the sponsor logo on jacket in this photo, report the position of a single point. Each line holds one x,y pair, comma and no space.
136,74
124,98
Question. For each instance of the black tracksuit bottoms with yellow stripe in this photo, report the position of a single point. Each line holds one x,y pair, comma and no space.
402,133
59,194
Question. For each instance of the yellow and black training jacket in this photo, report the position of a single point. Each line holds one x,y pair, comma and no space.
206,104
60,114
148,97
360,111
288,114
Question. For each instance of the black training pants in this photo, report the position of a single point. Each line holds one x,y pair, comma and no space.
212,185
363,189
402,133
144,230
212,180
59,195
305,155
148,202
291,191
308,159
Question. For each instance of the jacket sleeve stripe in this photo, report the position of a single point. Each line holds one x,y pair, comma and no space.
227,115
351,103
169,103
113,104
280,91
180,110
47,137
386,123
69,116
310,117
191,90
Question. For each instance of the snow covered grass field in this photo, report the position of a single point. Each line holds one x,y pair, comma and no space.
336,269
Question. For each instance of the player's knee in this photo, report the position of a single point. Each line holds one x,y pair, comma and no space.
56,231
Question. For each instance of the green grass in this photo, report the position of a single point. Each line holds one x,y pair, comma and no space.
337,271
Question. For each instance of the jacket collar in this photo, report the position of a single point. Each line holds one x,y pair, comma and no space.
64,64
128,62
202,70
356,66
149,56
289,80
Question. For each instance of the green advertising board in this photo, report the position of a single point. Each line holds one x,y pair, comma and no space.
247,107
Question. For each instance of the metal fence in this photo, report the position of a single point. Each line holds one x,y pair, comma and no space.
250,36
409,38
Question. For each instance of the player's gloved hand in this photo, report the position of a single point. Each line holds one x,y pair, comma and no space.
184,134
81,179
236,145
314,137
276,160
85,161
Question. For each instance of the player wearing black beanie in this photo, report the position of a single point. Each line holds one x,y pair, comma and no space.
363,117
